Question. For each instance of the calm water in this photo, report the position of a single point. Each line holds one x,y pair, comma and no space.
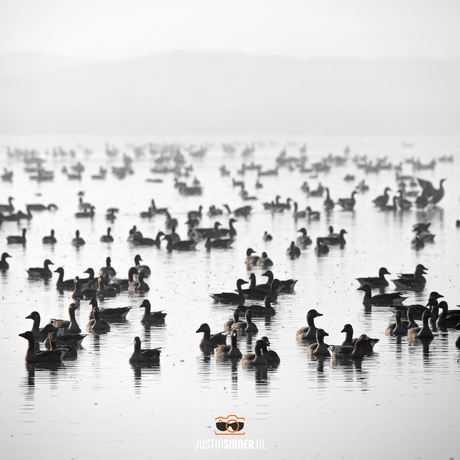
401,402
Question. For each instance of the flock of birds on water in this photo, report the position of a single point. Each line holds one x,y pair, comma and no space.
63,338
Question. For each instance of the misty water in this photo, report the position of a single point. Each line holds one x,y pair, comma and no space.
400,402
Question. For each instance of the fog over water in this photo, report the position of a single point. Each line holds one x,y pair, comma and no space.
99,405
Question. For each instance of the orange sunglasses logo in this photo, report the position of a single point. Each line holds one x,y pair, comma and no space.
230,425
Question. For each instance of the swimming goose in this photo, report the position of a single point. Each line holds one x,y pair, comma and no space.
271,355
391,207
422,229
151,356
264,261
86,214
50,239
15,239
103,289
69,326
156,210
4,265
184,245
230,231
140,285
403,203
48,356
293,251
298,214
368,346
228,324
267,236
224,352
417,242
412,282
122,284
309,332
396,328
149,317
64,285
312,215
141,268
251,260
97,325
108,269
223,243
134,233
232,297
303,240
91,282
319,348
40,333
437,195
382,200
348,204
196,214
257,310
139,240
78,241
69,341
246,326
41,272
448,318
286,286
376,282
336,240
321,246
347,352
259,357
214,211
209,340
423,332
409,323
328,203
77,293
108,314
108,238
391,299
7,207
243,211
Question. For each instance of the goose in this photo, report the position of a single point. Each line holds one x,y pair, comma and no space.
286,286
312,215
264,261
4,265
336,240
390,207
224,352
243,211
328,203
86,214
246,326
103,290
78,241
293,251
298,214
376,282
259,357
321,246
40,333
140,285
123,284
108,269
447,318
391,299
403,203
41,272
303,240
347,352
91,282
151,356
396,328
251,260
412,282
348,204
149,317
232,297
271,355
267,236
409,323
108,238
209,340
368,346
423,332
141,268
230,231
309,332
15,239
68,326
139,240
97,325
109,314
223,243
184,245
7,207
382,200
49,239
228,324
319,348
437,195
48,356
61,284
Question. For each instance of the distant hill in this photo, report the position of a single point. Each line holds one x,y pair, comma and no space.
230,93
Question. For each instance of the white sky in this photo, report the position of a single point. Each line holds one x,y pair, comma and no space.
304,28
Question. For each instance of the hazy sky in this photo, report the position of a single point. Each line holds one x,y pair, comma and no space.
304,28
